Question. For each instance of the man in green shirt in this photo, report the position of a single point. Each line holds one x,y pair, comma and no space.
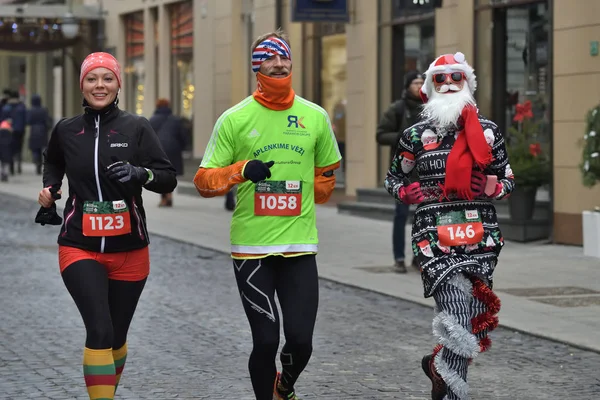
281,151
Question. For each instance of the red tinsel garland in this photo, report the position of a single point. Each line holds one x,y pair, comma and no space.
488,320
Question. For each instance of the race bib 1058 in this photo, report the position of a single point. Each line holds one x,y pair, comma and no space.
278,198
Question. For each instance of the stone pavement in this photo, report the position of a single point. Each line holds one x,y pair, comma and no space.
190,339
551,291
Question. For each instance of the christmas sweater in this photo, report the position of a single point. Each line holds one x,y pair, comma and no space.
449,234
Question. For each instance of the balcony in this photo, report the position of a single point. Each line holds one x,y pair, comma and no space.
36,26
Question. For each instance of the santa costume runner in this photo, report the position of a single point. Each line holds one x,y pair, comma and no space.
461,163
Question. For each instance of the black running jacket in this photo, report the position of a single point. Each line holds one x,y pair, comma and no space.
82,147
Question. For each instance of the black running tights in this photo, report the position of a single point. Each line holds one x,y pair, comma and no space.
106,306
296,283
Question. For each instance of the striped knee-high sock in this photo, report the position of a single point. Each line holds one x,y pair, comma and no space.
119,355
99,373
452,327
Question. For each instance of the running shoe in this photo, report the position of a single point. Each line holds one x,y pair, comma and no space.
438,386
281,393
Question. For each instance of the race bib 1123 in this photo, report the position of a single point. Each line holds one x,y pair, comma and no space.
106,218
278,198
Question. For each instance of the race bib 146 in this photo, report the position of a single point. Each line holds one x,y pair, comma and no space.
457,228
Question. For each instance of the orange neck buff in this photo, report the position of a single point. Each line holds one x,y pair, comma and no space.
274,93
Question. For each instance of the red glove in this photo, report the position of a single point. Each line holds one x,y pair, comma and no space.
411,194
478,182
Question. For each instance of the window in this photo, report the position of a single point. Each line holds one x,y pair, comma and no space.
516,70
410,8
413,48
134,67
332,77
182,59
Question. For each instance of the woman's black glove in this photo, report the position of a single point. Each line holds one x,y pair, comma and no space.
124,172
256,170
49,216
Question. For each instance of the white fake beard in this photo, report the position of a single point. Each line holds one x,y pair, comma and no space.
443,109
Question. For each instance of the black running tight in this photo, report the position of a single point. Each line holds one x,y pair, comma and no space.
106,306
296,283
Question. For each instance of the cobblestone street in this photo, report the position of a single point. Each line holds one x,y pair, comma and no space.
190,338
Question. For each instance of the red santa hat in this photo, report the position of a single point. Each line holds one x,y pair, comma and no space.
448,63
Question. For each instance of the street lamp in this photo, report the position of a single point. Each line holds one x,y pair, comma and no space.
70,26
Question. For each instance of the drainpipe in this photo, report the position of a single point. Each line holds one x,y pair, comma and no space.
278,14
101,27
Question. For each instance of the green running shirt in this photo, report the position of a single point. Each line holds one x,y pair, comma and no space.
277,215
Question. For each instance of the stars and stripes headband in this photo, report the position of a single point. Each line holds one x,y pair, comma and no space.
267,49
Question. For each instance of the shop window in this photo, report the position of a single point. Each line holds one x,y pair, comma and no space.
411,8
332,82
516,70
134,67
413,49
182,59
410,27
413,39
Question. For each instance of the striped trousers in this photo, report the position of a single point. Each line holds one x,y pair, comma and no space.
465,312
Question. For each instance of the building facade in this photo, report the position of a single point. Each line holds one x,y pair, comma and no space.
196,53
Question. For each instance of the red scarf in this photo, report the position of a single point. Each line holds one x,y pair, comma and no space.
469,149
274,93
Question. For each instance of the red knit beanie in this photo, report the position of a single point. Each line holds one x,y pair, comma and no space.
98,60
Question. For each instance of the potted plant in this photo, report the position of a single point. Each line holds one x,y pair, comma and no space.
590,170
529,160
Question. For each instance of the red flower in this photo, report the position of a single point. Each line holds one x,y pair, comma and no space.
523,111
535,149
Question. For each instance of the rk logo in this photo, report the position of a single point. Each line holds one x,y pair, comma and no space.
294,120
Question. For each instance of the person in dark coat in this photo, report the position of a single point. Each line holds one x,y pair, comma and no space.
5,148
39,121
4,99
400,115
5,138
17,112
169,129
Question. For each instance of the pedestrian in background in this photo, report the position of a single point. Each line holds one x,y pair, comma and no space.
5,148
17,112
400,115
171,134
39,122
4,99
